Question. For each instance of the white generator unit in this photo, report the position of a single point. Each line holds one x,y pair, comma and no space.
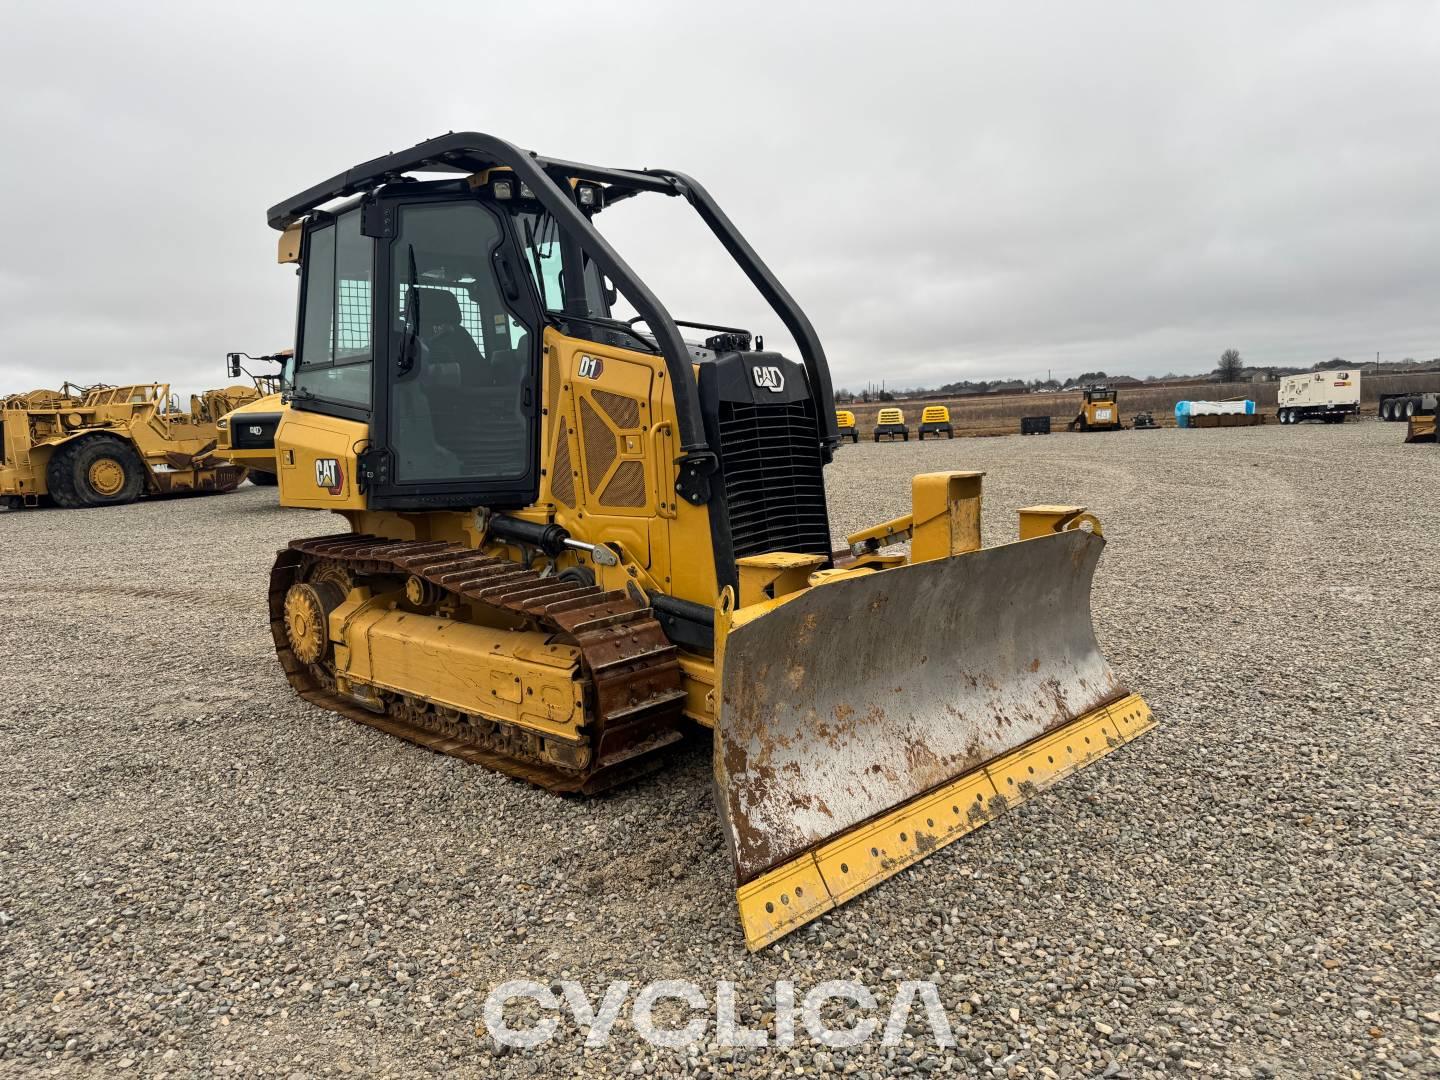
1330,396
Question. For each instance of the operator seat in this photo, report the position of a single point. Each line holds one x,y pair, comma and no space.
446,339
424,399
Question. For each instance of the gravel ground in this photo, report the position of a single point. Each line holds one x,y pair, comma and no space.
200,875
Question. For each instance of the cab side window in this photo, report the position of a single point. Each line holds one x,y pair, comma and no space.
336,341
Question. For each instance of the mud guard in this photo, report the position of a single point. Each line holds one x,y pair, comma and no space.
867,721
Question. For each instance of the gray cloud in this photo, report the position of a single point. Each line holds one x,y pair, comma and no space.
950,190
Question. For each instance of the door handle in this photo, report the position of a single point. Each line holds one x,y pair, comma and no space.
662,454
507,277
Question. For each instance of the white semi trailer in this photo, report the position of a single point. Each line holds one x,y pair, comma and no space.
1330,396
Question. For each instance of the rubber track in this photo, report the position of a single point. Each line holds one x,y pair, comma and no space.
635,693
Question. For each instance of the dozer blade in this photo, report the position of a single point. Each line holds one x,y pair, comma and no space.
868,721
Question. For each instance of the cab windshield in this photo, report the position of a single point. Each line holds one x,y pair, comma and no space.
545,258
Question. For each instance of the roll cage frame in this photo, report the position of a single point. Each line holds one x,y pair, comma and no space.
550,181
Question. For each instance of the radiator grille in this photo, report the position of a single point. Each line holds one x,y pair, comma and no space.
253,431
774,488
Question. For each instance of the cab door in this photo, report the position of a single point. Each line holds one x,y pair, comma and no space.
456,422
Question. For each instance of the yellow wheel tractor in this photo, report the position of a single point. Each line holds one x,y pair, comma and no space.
109,445
576,535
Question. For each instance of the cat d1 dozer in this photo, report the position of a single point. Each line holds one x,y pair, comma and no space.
575,535
108,445
247,436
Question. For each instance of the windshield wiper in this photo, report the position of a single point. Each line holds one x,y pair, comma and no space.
534,245
608,324
410,342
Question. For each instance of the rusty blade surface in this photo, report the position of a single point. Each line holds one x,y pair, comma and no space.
857,696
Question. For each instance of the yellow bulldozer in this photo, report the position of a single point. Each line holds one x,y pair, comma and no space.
577,536
247,436
109,445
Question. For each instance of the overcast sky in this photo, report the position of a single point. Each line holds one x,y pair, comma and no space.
950,190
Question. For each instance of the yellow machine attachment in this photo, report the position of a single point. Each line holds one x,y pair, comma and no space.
572,542
890,423
976,683
935,420
108,445
845,423
209,406
1421,428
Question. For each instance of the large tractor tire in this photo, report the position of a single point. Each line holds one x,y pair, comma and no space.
263,479
100,470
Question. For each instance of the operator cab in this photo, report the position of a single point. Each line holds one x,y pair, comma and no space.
424,304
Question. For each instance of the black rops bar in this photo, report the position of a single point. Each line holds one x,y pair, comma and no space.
775,294
474,152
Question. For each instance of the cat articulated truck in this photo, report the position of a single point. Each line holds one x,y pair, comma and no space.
247,436
577,536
